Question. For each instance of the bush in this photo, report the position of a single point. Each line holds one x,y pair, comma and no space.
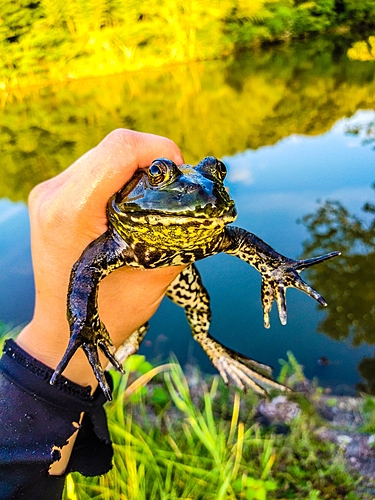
355,12
313,17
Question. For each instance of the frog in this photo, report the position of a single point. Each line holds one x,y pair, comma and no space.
176,215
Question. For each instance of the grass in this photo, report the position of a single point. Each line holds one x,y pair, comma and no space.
202,441
181,451
173,441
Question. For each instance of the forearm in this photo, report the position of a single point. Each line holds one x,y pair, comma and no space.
67,213
251,249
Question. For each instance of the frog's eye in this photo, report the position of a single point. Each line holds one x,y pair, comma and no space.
212,168
221,170
160,171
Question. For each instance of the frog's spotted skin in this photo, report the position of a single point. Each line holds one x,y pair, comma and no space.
188,292
132,343
167,216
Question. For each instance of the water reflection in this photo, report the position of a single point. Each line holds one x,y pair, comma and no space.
291,98
219,107
349,279
366,129
367,370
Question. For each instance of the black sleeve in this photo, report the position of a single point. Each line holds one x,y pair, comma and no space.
36,420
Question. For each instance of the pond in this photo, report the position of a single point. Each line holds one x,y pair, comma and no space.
295,125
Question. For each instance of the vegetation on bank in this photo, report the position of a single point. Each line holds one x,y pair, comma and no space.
194,438
173,441
52,40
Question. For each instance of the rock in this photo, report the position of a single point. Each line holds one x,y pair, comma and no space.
277,411
343,440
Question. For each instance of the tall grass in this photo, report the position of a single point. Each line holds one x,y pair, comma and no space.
185,452
203,442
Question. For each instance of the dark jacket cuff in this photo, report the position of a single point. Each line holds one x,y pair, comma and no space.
37,419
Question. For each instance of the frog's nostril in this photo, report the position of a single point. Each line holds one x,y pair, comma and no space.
190,188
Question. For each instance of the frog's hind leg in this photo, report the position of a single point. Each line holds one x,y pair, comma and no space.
187,291
131,344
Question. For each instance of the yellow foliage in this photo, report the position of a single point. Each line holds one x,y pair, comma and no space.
307,5
217,107
363,51
249,8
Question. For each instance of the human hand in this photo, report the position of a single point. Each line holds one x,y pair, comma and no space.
67,212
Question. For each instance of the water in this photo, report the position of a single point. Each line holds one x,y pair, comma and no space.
280,120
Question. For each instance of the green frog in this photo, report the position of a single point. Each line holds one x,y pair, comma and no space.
169,215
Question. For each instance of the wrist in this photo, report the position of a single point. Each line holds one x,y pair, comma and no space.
39,342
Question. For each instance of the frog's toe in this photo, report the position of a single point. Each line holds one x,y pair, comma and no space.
74,344
90,340
259,368
110,356
240,376
273,289
244,377
90,348
281,303
267,297
300,284
92,355
304,264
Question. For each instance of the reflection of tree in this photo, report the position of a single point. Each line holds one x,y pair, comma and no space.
367,370
347,281
55,40
363,50
220,108
365,130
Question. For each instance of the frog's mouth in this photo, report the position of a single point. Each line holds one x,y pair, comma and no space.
194,197
170,230
204,217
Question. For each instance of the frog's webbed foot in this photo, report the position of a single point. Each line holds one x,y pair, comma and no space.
275,282
188,292
243,372
90,340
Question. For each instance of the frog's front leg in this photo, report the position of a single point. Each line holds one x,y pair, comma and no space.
102,256
278,272
188,292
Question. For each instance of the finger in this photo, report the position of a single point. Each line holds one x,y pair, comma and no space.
267,298
304,287
281,303
303,264
93,178
113,162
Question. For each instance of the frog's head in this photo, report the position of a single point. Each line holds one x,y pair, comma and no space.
173,206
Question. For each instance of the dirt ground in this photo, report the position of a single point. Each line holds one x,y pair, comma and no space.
342,423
